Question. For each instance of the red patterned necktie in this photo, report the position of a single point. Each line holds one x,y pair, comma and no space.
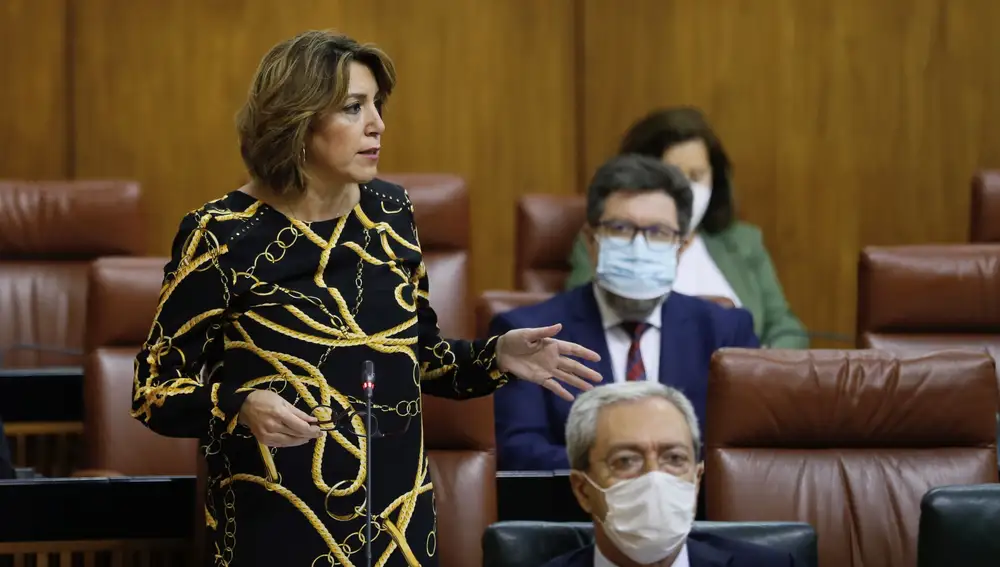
635,370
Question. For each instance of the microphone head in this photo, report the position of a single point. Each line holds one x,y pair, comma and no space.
369,371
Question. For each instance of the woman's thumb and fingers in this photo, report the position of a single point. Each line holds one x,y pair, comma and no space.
275,422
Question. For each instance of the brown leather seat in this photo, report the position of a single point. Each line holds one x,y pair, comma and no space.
493,302
848,441
547,226
461,448
929,297
984,222
458,435
49,233
441,207
123,297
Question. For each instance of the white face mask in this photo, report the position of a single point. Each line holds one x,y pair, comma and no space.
699,206
649,517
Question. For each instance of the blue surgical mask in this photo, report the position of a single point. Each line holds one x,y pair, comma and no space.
636,269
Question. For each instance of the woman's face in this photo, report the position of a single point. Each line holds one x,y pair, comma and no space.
691,158
344,142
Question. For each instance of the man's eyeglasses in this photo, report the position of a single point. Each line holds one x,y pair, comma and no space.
341,422
630,464
654,233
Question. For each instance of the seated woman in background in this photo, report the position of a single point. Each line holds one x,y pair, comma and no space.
725,258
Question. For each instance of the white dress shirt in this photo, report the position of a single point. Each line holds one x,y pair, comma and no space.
619,341
698,274
680,561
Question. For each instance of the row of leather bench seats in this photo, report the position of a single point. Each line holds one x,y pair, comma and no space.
939,432
49,232
848,441
958,526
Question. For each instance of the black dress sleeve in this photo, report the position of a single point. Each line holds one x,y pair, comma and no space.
451,368
174,394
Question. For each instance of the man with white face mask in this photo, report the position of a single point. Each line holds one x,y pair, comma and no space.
634,451
638,213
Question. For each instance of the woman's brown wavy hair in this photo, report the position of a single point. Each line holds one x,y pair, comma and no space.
296,81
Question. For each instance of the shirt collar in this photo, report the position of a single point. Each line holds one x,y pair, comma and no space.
610,319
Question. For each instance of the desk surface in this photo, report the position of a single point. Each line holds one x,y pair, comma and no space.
43,371
41,394
54,509
59,509
537,496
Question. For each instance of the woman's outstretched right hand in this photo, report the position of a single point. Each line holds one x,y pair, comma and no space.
275,422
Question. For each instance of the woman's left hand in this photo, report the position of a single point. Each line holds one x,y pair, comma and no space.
533,355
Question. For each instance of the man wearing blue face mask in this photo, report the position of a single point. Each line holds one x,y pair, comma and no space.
634,449
638,216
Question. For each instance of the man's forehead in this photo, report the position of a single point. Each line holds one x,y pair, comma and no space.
653,205
650,421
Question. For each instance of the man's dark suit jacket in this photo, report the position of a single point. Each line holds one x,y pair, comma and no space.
531,421
704,550
6,464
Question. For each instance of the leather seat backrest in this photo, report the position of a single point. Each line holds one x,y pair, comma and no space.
458,436
441,207
124,293
847,441
547,227
493,302
984,221
959,525
49,233
929,297
513,544
461,449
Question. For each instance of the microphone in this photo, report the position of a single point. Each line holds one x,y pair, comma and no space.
368,376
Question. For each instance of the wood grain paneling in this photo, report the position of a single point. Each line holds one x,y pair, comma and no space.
485,91
34,90
849,123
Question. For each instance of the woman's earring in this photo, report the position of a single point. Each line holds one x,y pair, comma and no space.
302,155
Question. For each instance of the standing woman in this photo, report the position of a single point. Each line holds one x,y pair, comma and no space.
724,257
275,296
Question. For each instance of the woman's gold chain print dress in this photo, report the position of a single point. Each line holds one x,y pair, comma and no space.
254,300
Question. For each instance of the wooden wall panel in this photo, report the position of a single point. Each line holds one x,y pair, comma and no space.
850,123
485,91
34,125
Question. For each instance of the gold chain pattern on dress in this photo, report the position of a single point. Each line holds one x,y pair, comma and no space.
167,367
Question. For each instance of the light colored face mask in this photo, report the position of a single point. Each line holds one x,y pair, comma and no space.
650,516
702,194
636,269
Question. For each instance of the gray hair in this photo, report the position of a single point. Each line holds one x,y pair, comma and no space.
581,426
634,172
